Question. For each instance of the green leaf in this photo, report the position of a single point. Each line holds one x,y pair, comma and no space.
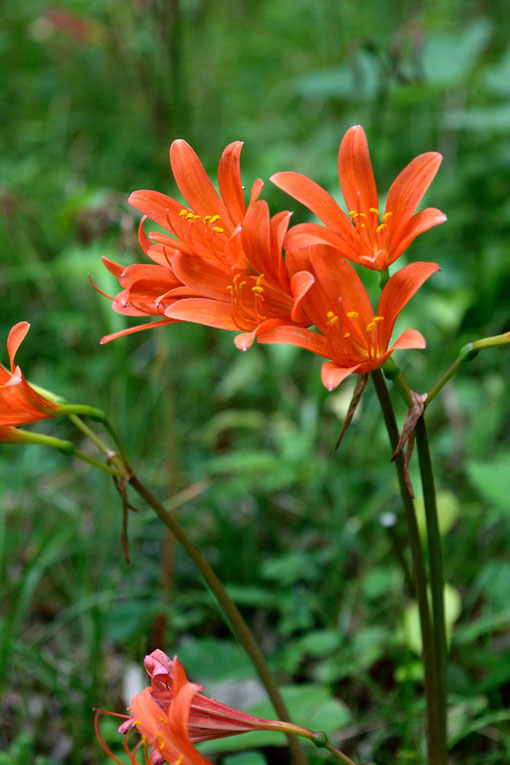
410,629
449,58
448,510
492,479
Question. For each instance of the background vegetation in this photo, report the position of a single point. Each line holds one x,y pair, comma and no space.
92,95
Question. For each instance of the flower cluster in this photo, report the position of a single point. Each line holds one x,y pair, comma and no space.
171,715
220,262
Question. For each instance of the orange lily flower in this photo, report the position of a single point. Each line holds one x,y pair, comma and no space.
207,226
19,402
172,714
349,334
255,296
366,235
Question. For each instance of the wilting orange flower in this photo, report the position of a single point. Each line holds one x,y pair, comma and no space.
172,714
367,236
19,402
349,334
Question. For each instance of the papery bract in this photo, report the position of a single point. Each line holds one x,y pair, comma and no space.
19,402
349,334
367,236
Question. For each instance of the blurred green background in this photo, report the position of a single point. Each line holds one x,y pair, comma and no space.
92,94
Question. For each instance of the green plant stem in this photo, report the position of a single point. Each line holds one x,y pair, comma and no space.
116,460
436,571
443,380
231,611
95,463
339,755
420,581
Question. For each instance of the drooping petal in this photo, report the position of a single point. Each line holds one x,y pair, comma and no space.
246,339
313,196
194,184
332,375
132,330
178,723
211,313
422,221
256,239
305,234
355,171
229,182
256,190
398,291
408,188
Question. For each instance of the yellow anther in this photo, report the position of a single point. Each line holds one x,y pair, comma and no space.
353,213
183,212
378,318
161,744
380,227
374,210
332,318
136,722
190,216
207,218
179,760
347,335
230,288
163,721
243,284
236,279
214,218
144,740
257,289
362,225
386,215
218,229
353,315
375,321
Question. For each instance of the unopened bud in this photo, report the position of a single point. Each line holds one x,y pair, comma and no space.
467,353
320,739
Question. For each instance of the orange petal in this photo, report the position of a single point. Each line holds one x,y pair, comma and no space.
422,221
132,330
15,338
194,184
340,282
208,278
256,190
409,187
291,335
410,338
332,375
246,339
398,291
301,283
313,196
156,206
355,171
210,313
229,182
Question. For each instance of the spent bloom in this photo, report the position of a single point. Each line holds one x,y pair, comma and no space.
349,334
172,715
367,235
19,402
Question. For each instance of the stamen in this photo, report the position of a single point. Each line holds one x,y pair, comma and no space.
163,721
347,335
380,227
183,212
332,318
214,218
353,315
161,744
257,288
374,210
101,739
218,230
386,215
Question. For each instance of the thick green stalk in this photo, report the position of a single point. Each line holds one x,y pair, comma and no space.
231,611
436,571
420,581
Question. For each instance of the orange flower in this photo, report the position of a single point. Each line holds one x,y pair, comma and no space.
208,225
365,236
19,402
255,296
349,333
172,714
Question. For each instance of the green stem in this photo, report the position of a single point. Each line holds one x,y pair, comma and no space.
231,611
436,572
443,380
339,755
121,466
420,580
97,464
